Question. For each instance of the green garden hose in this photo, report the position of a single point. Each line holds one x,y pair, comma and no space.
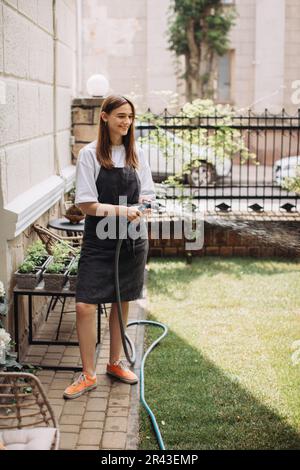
126,339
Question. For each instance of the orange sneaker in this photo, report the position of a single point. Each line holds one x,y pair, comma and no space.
82,384
121,371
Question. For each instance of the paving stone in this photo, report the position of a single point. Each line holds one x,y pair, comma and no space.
94,416
54,394
70,419
37,350
93,425
98,394
64,374
113,440
57,410
56,349
119,389
45,373
74,408
69,428
68,440
59,384
46,380
69,360
96,404
115,424
87,448
117,411
72,351
119,401
88,437
57,401
104,379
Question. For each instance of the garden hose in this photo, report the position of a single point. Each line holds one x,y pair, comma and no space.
126,339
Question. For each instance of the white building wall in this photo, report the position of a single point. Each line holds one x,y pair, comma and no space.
292,56
124,40
127,42
38,74
269,54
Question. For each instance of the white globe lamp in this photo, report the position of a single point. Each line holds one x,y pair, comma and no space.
97,86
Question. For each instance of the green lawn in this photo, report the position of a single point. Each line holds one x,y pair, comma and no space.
223,377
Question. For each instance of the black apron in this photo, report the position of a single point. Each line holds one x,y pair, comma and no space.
95,279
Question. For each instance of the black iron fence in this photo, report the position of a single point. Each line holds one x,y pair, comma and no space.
224,162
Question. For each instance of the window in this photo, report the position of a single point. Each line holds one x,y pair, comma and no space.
224,78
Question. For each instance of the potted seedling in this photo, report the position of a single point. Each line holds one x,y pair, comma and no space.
38,254
55,274
28,275
62,253
72,274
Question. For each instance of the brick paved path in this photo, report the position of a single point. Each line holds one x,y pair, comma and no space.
105,418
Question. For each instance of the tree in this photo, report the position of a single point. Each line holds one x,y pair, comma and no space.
198,30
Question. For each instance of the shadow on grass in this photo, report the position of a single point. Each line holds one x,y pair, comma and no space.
202,406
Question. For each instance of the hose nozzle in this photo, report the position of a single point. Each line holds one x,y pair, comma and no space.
153,205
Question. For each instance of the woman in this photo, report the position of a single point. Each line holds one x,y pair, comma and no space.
109,170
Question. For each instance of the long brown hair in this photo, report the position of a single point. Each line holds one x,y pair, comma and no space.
103,148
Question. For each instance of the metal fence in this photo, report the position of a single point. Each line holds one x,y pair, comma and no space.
224,162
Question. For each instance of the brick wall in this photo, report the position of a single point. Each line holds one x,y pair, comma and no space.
85,120
219,241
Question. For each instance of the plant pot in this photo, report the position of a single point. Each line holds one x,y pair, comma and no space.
28,280
54,282
74,214
72,282
72,277
74,219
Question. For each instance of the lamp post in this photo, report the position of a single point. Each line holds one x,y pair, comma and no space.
97,86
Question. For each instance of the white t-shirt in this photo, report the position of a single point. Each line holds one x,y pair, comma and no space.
88,168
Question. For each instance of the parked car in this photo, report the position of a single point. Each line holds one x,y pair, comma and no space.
207,172
285,168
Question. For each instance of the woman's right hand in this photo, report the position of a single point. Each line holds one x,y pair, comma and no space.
132,213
